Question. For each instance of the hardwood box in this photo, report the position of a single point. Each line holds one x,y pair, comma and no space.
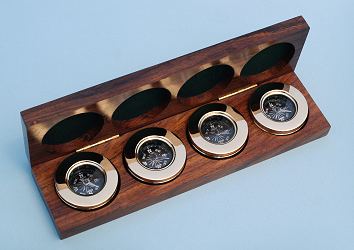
102,118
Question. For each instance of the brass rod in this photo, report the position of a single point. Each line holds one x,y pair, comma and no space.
238,91
98,143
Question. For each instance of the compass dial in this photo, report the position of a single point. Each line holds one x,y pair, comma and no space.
86,180
279,107
218,129
155,154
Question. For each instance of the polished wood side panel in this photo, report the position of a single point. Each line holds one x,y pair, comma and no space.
105,97
134,195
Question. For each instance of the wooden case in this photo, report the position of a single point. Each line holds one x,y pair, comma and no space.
102,118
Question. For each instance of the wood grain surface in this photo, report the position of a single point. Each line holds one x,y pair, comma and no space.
134,195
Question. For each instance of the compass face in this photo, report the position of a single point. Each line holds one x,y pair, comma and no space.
279,108
218,129
155,154
86,180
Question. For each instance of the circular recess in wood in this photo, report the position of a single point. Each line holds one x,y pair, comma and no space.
276,55
209,80
149,102
75,130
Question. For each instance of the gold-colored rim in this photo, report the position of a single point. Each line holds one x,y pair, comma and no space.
232,147
93,201
277,127
158,176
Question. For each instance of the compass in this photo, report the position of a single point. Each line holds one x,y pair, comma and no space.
217,130
154,155
278,108
86,181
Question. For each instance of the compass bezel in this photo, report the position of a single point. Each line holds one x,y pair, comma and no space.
278,127
89,202
218,151
154,176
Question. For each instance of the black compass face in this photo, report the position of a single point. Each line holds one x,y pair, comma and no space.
218,129
86,180
155,154
279,108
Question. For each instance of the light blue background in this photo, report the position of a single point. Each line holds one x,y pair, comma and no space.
302,199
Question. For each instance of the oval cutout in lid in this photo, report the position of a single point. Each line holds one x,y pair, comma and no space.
147,101
206,80
81,127
275,55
